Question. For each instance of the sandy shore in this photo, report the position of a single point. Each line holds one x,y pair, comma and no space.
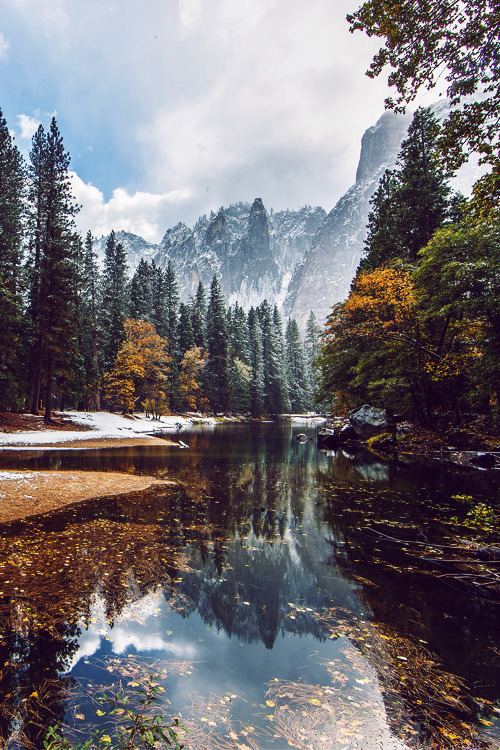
96,443
28,493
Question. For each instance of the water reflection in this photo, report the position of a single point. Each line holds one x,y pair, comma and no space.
266,554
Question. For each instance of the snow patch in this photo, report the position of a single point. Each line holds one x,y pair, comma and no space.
103,425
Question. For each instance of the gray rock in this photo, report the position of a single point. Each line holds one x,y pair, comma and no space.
370,421
347,432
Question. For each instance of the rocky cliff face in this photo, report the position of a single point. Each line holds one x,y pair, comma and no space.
252,251
325,274
135,247
303,260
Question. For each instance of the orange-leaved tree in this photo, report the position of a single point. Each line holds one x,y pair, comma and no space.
192,366
140,368
380,345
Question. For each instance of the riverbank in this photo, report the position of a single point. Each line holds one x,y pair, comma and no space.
29,493
89,429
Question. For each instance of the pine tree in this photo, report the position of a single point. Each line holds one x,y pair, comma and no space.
171,308
216,374
257,364
383,242
276,399
88,324
52,266
279,387
312,348
424,191
239,334
113,301
240,360
239,395
158,299
411,201
185,335
141,293
296,370
199,318
11,375
12,209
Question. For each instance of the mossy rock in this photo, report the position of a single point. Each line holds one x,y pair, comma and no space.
384,440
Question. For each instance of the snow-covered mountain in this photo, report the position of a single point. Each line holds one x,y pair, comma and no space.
136,248
301,259
252,251
327,269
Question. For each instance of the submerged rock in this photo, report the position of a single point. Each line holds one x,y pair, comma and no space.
483,460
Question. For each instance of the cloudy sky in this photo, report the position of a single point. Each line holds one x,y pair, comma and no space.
172,108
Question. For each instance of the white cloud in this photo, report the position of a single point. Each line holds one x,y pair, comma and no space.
144,214
195,104
133,628
278,116
190,13
49,16
28,126
4,48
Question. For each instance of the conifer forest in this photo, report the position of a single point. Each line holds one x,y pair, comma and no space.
76,335
418,334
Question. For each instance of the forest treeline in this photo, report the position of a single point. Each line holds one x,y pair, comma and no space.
419,333
73,334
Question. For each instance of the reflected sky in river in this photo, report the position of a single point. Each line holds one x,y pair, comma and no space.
269,575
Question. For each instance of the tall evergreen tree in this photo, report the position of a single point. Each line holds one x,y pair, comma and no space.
384,241
216,373
185,335
411,201
239,334
11,371
12,194
170,322
257,385
88,307
312,348
52,265
240,360
158,299
113,301
424,190
141,293
171,308
12,210
199,318
276,397
296,370
279,386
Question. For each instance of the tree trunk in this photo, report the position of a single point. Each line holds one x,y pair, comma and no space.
47,417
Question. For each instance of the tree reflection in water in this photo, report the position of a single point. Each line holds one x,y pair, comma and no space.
263,538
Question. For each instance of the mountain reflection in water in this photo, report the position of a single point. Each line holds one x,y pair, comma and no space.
277,589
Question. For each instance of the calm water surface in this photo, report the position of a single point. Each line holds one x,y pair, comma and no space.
284,597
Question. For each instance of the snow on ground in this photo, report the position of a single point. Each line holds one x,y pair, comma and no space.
16,476
103,425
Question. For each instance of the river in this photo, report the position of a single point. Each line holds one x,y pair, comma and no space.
282,596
